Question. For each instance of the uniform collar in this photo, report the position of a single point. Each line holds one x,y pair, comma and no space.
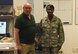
53,19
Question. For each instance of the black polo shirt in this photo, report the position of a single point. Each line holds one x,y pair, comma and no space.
27,28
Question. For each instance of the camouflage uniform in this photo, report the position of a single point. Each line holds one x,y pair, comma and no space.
53,34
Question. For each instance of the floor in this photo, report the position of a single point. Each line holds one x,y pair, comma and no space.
11,52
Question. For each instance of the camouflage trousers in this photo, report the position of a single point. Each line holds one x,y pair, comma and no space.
50,50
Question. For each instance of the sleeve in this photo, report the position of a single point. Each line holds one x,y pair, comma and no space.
40,27
61,34
18,23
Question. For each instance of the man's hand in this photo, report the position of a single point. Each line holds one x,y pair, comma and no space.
19,48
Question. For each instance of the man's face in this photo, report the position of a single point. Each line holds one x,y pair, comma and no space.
49,10
27,9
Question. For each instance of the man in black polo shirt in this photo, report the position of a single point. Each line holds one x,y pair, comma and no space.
25,30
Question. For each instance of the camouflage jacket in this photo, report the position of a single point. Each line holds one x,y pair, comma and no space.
53,33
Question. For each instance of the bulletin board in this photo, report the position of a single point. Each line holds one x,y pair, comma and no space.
76,20
63,9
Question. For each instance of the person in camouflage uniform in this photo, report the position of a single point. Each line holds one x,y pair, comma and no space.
52,32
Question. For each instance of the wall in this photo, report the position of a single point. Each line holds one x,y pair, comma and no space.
38,10
71,34
70,45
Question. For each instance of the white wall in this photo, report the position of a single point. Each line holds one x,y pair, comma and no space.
70,45
38,10
71,36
